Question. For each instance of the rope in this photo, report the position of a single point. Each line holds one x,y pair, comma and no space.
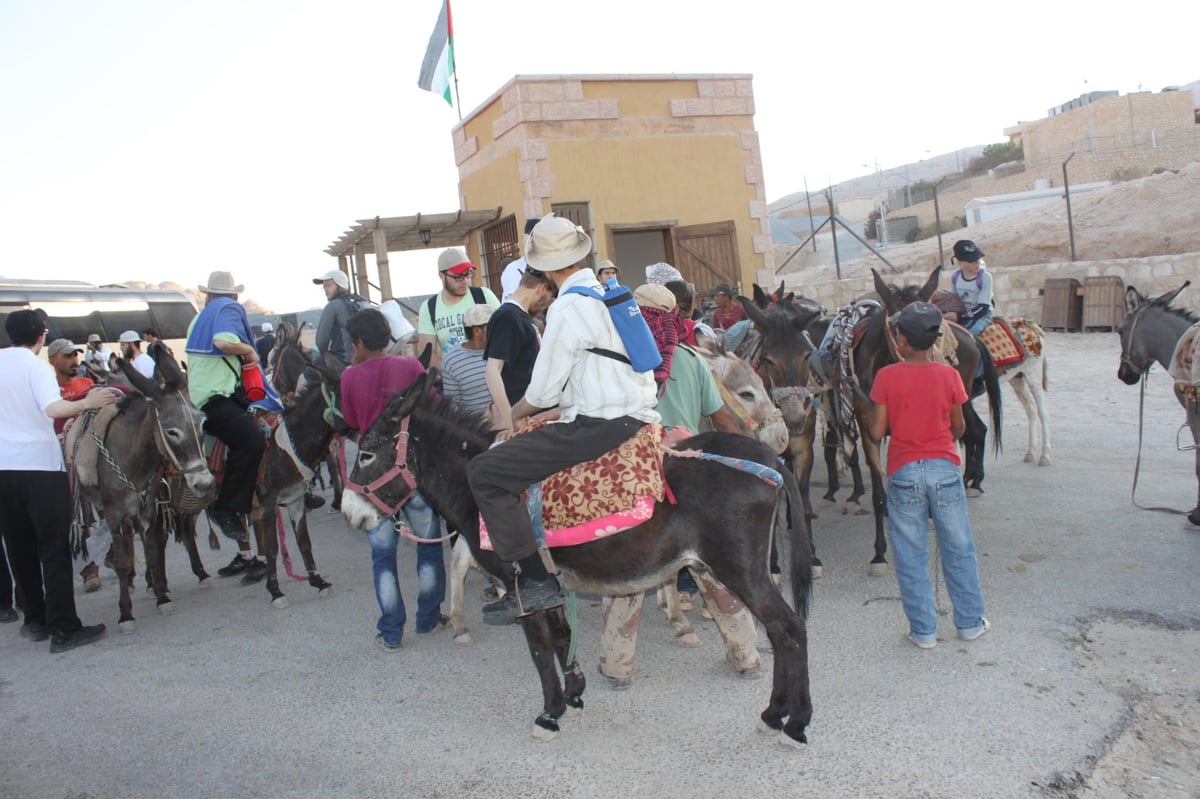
573,623
284,555
1137,465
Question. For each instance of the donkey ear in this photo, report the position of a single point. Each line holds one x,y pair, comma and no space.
168,369
139,381
404,404
931,284
883,290
426,355
760,297
756,314
1133,299
1170,296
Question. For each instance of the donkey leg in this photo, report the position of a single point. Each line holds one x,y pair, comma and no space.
268,528
335,479
185,523
539,635
460,564
1024,391
304,543
573,678
878,564
123,564
154,544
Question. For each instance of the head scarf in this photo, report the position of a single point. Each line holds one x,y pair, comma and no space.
668,331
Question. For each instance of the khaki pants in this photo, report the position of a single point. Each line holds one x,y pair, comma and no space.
622,615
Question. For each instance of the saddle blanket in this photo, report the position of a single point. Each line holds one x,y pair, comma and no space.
1185,364
1002,343
601,497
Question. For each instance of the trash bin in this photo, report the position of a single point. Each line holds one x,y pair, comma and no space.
1062,304
1103,302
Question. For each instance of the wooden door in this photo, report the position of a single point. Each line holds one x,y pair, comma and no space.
707,255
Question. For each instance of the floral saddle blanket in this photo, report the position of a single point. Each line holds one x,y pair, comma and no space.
1185,364
597,498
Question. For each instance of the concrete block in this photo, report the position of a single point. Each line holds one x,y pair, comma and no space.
542,92
572,109
534,149
733,106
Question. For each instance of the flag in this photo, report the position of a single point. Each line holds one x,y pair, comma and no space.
438,65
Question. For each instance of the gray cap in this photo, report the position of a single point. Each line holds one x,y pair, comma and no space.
61,345
921,323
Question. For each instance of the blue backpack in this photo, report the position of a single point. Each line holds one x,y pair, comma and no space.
631,326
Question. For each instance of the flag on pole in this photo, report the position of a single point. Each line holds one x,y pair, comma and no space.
438,65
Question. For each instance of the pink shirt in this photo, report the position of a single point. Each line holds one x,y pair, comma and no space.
368,387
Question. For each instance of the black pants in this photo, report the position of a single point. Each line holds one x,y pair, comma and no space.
499,475
6,580
234,426
35,518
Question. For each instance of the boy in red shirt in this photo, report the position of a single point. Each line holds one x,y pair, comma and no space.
921,401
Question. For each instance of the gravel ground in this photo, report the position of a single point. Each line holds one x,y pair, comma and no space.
1094,616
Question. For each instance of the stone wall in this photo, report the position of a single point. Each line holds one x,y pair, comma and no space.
1017,288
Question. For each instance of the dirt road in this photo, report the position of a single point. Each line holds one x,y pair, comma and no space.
1085,687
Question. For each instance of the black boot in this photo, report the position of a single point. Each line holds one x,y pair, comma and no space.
536,588
312,501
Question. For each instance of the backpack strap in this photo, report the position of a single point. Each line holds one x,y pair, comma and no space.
477,295
433,310
587,291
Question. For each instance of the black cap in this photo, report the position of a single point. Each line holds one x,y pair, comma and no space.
24,327
921,324
723,288
965,250
530,224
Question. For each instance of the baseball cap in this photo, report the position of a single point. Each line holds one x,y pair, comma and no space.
965,250
454,261
336,275
61,345
723,288
129,337
477,315
921,324
94,338
267,327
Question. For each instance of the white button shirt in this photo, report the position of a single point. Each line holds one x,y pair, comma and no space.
585,383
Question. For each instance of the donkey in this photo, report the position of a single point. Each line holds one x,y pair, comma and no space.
1151,331
118,457
723,519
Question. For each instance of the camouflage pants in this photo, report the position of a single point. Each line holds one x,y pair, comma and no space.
622,615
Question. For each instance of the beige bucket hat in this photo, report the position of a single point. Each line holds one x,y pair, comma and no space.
555,244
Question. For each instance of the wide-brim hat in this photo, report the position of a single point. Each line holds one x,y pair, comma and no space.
93,338
556,243
221,283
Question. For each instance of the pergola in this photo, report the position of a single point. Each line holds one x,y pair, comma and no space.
382,235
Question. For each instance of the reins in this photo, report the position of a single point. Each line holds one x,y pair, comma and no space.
1137,464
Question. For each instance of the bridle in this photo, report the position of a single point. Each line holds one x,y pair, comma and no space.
1127,344
399,469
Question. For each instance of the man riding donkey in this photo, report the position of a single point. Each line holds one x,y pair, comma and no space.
602,403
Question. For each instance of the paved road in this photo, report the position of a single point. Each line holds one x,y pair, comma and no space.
229,697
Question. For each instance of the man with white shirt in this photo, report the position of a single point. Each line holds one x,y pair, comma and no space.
602,403
131,350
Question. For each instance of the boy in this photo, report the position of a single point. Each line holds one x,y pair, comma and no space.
921,401
367,387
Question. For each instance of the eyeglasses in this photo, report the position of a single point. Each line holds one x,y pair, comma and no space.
464,276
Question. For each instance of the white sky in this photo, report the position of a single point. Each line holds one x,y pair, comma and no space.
161,140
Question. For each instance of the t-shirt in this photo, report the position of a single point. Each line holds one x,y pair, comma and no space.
75,386
144,364
513,338
691,393
725,318
368,387
464,379
98,358
919,397
27,387
263,347
448,326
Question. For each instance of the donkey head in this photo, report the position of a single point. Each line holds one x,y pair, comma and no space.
896,297
1138,334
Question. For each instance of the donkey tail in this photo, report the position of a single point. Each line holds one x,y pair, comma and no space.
799,546
991,379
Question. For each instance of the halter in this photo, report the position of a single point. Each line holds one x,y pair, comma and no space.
803,394
1127,344
399,469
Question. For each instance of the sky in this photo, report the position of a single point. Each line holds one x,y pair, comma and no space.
159,141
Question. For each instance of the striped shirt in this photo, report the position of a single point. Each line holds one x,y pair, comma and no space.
584,383
464,379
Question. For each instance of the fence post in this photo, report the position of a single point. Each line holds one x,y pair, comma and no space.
837,264
937,221
812,230
1067,193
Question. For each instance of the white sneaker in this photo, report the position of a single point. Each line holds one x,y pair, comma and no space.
919,644
982,631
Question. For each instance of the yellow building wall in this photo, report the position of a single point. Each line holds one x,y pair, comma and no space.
642,98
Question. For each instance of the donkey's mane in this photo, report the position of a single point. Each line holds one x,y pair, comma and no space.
450,425
1182,313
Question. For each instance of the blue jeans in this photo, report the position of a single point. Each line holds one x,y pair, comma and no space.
431,570
916,492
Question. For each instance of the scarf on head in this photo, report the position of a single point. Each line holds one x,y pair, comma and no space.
668,331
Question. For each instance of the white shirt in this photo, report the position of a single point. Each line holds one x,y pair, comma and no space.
27,388
144,364
585,383
510,278
99,358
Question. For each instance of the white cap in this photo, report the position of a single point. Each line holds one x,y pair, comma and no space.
130,337
336,275
267,327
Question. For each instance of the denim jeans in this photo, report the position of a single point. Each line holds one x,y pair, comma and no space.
431,570
916,492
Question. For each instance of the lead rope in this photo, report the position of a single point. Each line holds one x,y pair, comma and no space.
1137,464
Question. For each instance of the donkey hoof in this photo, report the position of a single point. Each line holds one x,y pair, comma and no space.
206,583
688,640
166,608
877,569
464,639
828,502
1029,457
325,592
573,712
762,728
128,626
786,741
973,492
1044,461
818,571
280,602
545,729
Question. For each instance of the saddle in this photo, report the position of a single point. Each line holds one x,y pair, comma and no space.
268,422
597,498
1185,364
81,453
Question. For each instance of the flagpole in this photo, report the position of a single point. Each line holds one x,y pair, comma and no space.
457,100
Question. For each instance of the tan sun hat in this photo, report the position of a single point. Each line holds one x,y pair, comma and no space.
222,283
555,244
477,315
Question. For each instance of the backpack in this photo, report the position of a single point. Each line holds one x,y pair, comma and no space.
476,294
631,326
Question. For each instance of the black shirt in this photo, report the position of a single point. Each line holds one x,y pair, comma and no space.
263,347
513,338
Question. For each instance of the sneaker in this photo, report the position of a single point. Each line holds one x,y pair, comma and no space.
236,566
920,644
91,578
979,633
61,642
615,683
502,613
254,572
384,646
443,623
537,595
312,501
7,615
229,523
35,631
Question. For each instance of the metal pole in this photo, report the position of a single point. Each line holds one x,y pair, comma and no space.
812,231
833,232
1067,193
937,217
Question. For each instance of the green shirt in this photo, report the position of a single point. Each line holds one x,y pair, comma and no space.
691,391
208,375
